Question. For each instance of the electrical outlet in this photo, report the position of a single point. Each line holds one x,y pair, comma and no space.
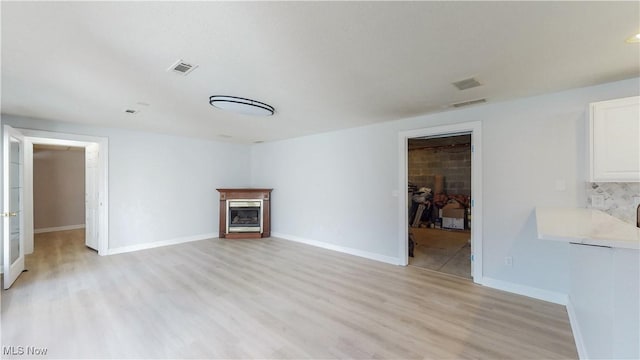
597,201
508,261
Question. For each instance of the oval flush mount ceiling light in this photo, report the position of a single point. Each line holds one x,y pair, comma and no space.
241,105
634,39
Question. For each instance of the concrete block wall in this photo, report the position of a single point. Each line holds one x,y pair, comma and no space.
454,163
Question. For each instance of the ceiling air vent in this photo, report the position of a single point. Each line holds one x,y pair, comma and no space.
182,67
470,102
466,84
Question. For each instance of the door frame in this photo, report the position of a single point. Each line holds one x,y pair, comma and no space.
39,137
474,128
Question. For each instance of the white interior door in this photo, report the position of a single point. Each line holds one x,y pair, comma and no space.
91,196
13,213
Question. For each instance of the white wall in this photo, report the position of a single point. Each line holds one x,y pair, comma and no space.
161,188
336,188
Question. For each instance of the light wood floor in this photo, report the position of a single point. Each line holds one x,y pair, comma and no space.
266,298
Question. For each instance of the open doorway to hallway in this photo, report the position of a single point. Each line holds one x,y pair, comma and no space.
95,180
59,197
19,147
58,188
439,187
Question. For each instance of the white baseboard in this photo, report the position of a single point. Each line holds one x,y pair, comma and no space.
155,244
342,249
58,228
577,334
530,291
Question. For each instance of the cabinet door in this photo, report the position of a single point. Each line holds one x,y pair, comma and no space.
615,140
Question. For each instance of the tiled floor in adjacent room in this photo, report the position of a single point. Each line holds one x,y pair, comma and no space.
447,251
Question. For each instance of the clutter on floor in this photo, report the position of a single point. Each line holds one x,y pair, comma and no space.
438,210
439,223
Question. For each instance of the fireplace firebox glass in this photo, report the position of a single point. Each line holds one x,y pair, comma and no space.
244,216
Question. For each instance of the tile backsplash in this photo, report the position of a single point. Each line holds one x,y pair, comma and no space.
619,199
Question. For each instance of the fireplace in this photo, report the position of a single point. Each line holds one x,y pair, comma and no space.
245,213
244,216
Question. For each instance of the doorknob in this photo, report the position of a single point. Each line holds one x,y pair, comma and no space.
9,214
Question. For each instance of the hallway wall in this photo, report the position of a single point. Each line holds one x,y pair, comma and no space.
58,188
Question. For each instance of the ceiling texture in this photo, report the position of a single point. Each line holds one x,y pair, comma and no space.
323,65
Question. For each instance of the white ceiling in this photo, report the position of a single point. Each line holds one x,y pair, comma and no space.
322,65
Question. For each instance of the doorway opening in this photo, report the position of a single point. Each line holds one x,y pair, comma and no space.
59,198
94,219
441,217
439,190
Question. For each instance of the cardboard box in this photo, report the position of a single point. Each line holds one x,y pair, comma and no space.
453,218
453,213
452,223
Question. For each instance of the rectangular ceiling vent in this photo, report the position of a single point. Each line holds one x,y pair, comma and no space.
468,103
466,84
182,67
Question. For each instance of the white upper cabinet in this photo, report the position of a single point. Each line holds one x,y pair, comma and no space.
614,140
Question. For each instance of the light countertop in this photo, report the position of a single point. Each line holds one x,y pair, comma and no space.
586,226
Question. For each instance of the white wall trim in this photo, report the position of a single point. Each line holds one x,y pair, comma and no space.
575,328
58,228
338,248
474,128
155,244
530,291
